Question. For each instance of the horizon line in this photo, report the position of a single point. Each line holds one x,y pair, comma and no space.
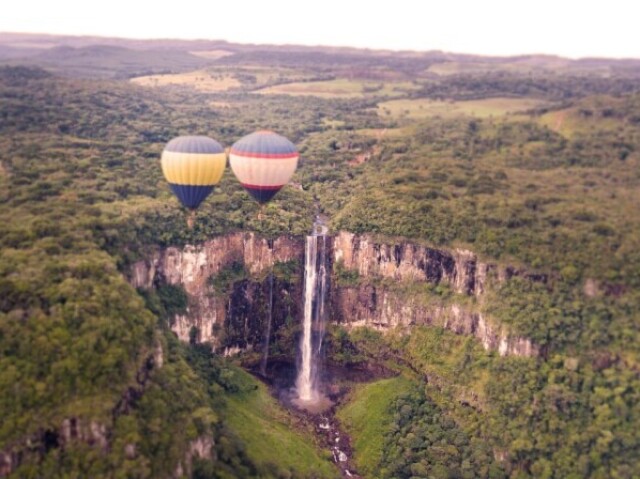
320,45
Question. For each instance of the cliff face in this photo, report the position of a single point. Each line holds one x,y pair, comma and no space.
383,307
200,448
402,261
77,429
236,321
91,433
406,261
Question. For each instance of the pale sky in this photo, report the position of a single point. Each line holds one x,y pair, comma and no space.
570,28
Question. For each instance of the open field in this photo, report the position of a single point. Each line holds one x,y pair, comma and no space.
380,133
199,79
270,435
340,88
454,68
213,80
524,65
600,113
425,108
212,54
367,417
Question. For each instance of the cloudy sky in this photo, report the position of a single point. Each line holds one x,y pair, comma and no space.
497,27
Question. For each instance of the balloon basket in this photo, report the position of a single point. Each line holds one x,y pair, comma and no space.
191,219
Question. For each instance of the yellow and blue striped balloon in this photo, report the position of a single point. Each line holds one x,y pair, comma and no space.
193,165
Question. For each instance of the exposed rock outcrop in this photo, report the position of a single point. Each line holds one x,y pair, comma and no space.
9,460
247,314
382,308
459,268
192,266
376,307
79,429
235,321
92,433
232,321
201,448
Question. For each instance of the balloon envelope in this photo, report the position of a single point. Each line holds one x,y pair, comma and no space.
193,165
263,162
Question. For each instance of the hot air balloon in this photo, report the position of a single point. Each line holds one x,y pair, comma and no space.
263,162
193,165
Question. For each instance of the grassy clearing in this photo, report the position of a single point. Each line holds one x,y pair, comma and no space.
572,121
332,123
367,416
453,68
260,76
523,65
425,108
324,89
270,436
220,104
340,88
200,80
212,54
380,133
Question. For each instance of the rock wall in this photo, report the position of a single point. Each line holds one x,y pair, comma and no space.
192,266
200,448
382,308
404,261
234,321
77,429
92,433
407,261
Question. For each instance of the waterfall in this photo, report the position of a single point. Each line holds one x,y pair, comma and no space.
265,351
315,285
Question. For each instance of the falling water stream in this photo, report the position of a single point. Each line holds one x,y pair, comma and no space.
313,400
310,396
315,286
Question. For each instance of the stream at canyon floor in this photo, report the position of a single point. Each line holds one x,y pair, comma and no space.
336,382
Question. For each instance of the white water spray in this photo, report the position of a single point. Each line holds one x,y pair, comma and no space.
315,283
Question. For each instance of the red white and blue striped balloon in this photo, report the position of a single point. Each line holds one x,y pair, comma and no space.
263,162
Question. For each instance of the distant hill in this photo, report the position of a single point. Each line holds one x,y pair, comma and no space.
101,57
107,61
7,52
31,40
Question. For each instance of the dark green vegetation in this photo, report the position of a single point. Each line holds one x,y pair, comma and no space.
554,191
425,441
268,437
82,196
368,416
561,417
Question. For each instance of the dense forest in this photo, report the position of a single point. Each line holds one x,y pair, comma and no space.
93,383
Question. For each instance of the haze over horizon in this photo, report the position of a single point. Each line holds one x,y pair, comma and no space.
494,27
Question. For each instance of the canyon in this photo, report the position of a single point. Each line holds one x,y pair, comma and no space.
380,272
